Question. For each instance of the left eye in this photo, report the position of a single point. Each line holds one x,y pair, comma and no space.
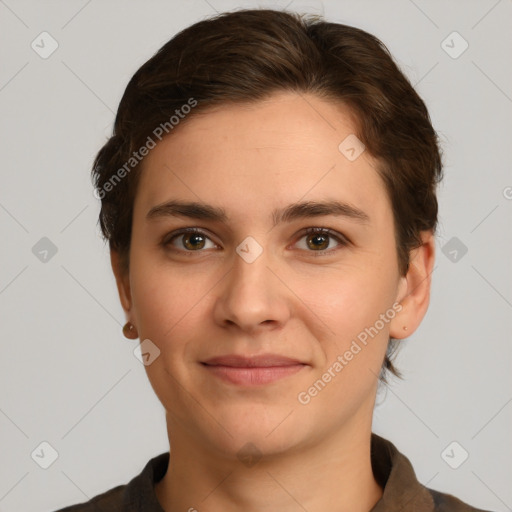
317,240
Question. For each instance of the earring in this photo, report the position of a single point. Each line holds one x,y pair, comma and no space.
129,331
405,328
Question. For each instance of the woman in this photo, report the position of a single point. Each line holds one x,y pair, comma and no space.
269,198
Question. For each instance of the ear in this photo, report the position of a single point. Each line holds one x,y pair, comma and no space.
414,288
122,281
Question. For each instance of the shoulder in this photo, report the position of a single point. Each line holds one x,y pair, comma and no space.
401,488
111,500
448,503
138,495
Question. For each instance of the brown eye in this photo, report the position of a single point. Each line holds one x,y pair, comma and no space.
319,240
188,240
193,241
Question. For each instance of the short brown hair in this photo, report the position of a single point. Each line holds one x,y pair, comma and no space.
245,56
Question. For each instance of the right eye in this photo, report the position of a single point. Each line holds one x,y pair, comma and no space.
192,240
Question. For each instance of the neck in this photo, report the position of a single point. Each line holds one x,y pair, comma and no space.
334,473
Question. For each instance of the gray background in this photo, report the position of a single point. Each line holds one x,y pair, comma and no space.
69,377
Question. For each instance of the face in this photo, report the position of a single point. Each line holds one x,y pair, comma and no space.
251,280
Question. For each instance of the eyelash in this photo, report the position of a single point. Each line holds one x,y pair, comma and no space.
342,240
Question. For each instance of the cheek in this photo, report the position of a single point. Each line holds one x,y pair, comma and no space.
354,345
166,300
350,302
350,297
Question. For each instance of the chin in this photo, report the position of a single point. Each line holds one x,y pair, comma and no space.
264,433
250,444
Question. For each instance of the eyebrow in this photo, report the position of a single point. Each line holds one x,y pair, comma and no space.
294,211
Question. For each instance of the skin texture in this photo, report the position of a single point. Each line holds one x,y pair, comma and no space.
249,160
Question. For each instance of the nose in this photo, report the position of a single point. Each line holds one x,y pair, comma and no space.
252,297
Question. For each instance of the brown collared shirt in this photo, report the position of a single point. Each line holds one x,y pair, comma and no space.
401,490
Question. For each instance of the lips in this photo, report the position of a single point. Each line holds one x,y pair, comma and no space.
250,371
259,361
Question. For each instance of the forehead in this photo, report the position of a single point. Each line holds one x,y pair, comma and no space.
259,156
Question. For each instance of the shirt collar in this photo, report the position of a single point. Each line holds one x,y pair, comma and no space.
395,474
392,470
